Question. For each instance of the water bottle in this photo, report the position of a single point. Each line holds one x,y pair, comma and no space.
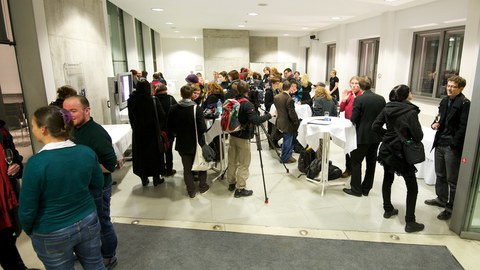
219,106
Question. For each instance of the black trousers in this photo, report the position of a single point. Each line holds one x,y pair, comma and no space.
412,191
369,152
9,257
187,161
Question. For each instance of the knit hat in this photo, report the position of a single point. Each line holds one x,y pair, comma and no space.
192,78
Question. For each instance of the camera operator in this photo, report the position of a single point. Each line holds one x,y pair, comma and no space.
239,155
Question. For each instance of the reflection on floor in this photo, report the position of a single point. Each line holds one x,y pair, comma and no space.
295,207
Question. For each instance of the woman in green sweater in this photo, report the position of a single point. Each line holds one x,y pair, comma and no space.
56,208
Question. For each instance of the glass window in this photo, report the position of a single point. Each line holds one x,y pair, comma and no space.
368,55
6,36
139,38
117,38
436,57
154,50
331,51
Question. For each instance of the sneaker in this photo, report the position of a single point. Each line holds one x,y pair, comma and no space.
110,263
242,193
346,174
231,187
414,227
290,160
444,215
204,189
391,213
435,202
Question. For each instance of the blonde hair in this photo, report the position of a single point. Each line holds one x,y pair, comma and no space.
304,80
321,92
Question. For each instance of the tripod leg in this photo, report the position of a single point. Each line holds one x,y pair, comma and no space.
259,148
271,142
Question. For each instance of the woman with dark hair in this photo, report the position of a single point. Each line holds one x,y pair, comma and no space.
147,119
400,117
57,210
223,78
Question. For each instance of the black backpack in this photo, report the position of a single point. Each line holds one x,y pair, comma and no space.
307,155
316,167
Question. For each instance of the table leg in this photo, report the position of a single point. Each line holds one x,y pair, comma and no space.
325,154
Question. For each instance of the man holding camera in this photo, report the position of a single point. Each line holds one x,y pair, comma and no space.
239,154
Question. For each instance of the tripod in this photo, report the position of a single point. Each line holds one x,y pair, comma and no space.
259,148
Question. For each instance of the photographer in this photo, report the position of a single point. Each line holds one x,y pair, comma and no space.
239,155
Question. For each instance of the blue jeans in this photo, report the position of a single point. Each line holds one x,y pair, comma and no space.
56,249
107,233
287,147
447,166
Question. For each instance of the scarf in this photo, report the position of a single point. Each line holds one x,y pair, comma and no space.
8,201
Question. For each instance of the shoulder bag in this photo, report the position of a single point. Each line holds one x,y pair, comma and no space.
413,151
199,162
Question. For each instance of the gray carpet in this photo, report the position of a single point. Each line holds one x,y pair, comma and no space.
148,247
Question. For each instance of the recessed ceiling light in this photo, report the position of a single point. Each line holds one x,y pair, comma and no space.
176,31
304,28
253,14
157,9
241,25
336,18
169,23
286,35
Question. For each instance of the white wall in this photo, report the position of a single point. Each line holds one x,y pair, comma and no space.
9,79
180,57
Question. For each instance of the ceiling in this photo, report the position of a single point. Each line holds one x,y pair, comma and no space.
187,18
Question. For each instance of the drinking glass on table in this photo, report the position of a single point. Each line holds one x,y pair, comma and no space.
8,156
326,115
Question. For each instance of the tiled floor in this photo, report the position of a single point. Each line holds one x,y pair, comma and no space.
295,207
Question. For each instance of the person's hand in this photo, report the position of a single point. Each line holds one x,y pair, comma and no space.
13,169
344,95
435,126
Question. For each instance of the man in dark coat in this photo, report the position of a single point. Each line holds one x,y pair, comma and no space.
146,149
287,120
451,125
181,122
366,107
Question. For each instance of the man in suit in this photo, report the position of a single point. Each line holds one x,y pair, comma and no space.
287,120
451,125
365,109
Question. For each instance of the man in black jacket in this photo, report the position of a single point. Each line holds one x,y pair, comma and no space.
239,155
451,125
181,123
366,107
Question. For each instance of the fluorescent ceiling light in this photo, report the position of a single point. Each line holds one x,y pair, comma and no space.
157,9
241,25
336,18
169,23
253,14
456,21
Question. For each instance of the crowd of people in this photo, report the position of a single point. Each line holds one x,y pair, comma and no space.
61,197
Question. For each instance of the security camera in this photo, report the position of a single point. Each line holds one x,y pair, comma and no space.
312,37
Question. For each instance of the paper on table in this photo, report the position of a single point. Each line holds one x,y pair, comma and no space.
320,122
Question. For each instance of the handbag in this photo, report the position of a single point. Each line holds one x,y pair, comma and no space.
413,151
199,162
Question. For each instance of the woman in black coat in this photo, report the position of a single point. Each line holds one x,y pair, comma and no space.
146,150
400,116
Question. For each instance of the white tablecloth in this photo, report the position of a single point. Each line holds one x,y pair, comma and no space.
214,131
121,138
426,169
303,111
341,131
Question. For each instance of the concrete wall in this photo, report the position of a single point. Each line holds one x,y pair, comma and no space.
225,50
77,35
263,49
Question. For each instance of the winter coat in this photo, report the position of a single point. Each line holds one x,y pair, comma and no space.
402,116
